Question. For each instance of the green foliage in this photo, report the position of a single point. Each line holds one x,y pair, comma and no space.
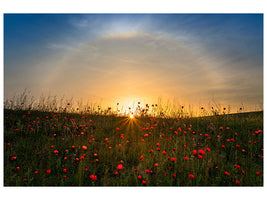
43,141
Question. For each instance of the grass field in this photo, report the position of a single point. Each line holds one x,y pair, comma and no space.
64,149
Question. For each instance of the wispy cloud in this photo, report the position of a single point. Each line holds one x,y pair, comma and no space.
189,57
145,64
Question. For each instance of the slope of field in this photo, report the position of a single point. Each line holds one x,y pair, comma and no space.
61,149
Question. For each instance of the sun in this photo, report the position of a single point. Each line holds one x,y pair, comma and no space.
131,116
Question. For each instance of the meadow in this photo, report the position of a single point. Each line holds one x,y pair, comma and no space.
85,148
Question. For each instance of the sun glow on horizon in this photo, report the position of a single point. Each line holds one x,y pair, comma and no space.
138,60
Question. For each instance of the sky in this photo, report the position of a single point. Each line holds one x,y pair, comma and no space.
189,59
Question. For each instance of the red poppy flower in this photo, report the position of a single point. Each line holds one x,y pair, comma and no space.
237,166
173,159
141,157
226,173
139,177
119,167
48,171
93,177
194,152
201,152
84,147
164,152
191,176
174,175
65,170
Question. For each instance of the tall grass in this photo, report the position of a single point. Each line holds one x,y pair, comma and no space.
160,108
84,146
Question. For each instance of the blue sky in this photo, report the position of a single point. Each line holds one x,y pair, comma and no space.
193,56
